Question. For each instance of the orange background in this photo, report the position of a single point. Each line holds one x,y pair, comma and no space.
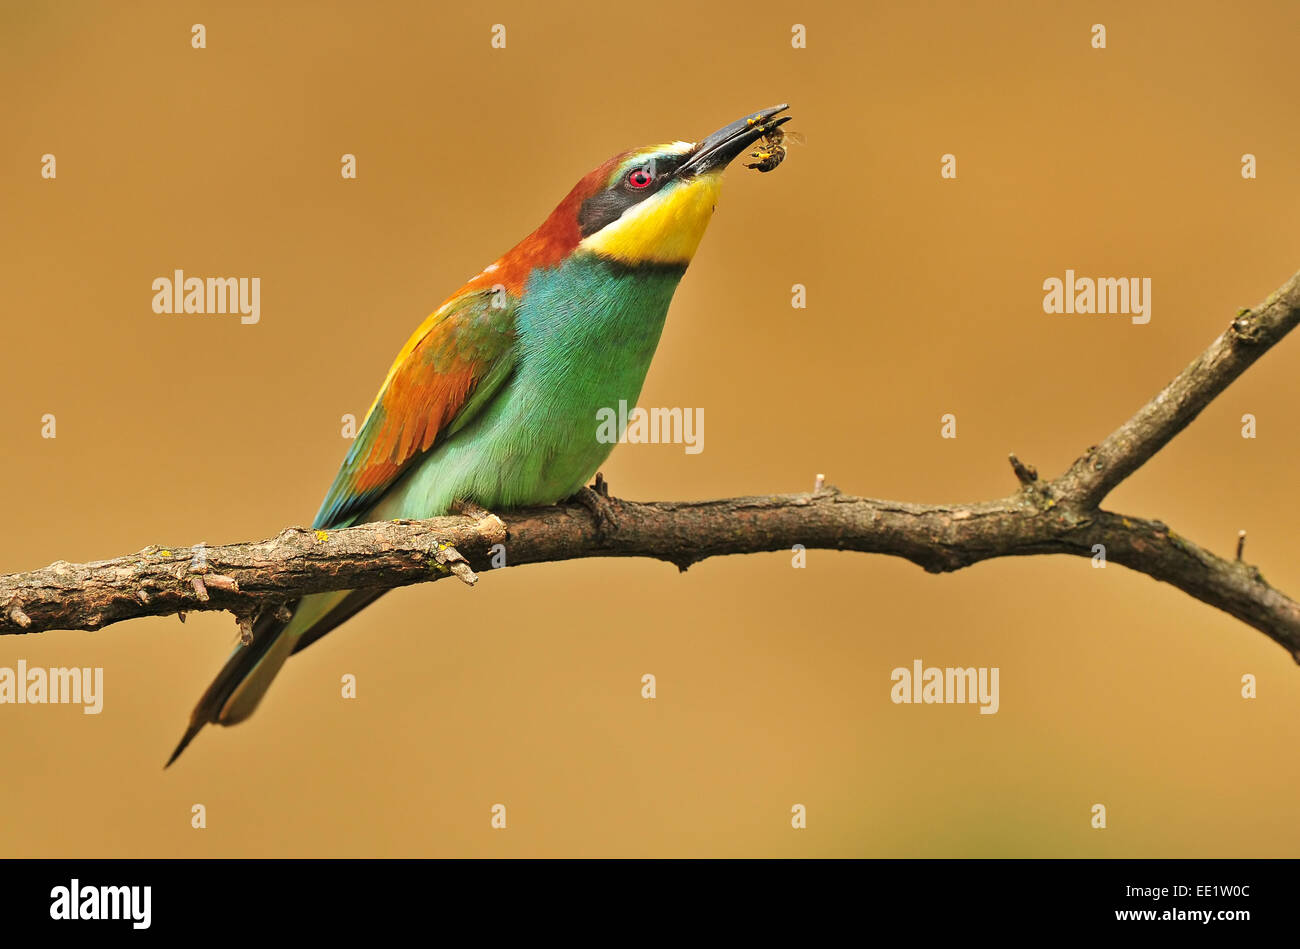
924,298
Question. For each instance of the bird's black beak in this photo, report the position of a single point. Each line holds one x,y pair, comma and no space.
726,143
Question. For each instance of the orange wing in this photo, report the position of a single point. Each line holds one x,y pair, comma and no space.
448,370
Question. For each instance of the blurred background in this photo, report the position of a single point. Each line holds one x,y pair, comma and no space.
924,298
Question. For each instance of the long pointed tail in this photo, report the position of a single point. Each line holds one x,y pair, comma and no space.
268,650
238,688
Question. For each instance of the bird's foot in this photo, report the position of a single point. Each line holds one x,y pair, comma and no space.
448,556
470,509
603,508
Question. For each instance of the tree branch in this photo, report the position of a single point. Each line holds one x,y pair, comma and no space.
1251,334
1042,517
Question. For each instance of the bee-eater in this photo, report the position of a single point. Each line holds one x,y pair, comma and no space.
493,400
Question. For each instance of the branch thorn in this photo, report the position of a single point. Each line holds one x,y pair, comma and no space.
451,558
1026,474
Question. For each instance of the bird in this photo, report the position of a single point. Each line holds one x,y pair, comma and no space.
493,400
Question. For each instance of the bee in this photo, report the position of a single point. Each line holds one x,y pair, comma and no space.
770,149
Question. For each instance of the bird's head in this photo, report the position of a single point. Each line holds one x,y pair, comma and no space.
651,205
647,206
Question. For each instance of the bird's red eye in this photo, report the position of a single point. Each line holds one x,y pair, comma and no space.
640,178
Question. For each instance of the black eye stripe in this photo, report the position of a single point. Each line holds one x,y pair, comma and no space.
608,206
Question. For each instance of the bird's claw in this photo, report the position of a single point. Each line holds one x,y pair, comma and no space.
448,556
470,509
603,508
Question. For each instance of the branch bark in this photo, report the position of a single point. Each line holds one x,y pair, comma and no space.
1061,516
